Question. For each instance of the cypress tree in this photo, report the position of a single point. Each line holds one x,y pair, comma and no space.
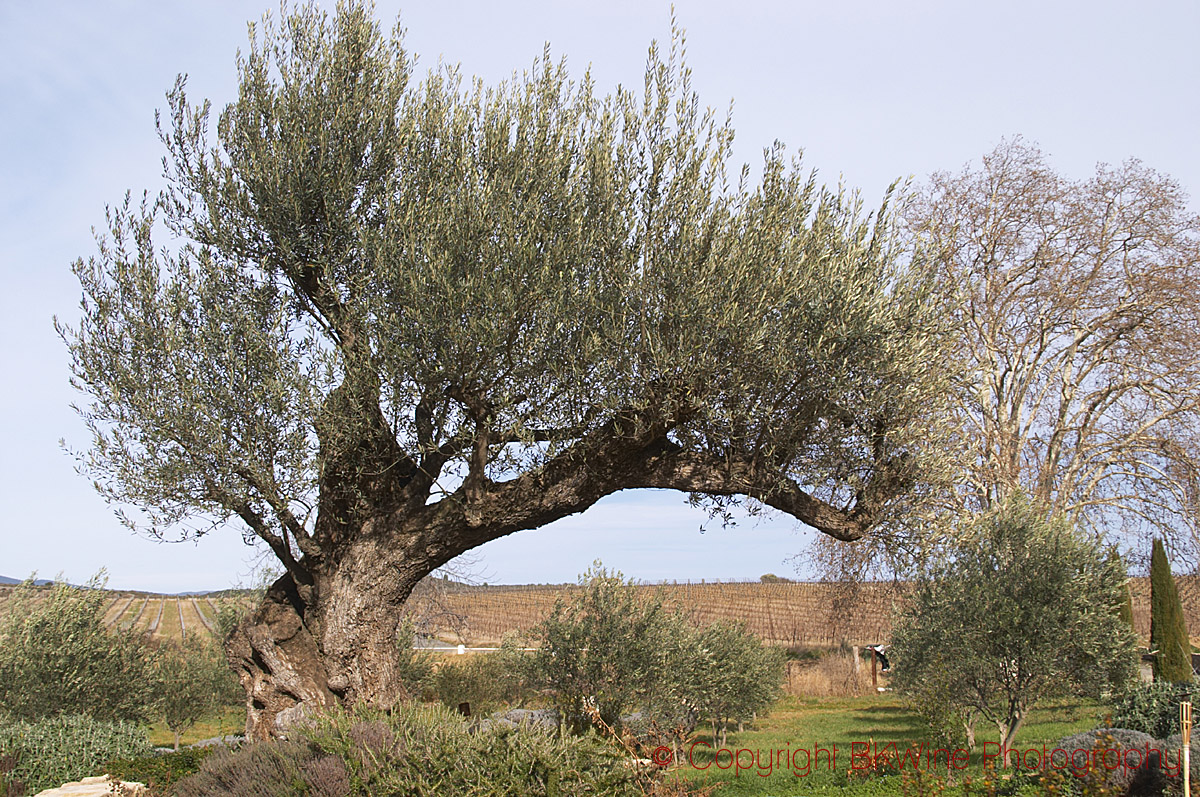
1168,629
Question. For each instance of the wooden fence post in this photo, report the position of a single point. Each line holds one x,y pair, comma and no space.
1185,729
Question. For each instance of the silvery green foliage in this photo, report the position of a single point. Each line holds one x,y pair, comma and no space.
419,749
603,651
1152,708
478,280
56,656
59,749
192,679
1024,609
725,673
609,649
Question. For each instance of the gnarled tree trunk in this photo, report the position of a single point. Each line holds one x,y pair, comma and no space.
339,646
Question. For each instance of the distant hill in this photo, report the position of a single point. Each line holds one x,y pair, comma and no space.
227,592
40,582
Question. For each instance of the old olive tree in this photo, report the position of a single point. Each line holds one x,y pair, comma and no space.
398,318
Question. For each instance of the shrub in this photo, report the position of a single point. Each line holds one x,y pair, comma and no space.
487,681
1173,746
229,615
728,674
1152,708
414,666
609,651
1095,777
260,769
56,657
604,650
430,750
1022,609
415,750
59,749
159,771
192,680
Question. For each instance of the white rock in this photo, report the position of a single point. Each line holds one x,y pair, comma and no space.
98,786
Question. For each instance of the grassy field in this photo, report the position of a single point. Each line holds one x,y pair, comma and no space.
228,720
804,746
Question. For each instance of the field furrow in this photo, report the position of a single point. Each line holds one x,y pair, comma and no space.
168,621
189,616
153,618
200,617
115,609
139,619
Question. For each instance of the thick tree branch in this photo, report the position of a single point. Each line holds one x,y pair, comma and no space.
283,513
278,544
691,471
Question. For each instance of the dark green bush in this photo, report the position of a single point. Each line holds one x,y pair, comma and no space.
1168,625
59,749
1152,708
159,771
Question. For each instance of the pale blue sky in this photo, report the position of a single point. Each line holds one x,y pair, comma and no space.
872,91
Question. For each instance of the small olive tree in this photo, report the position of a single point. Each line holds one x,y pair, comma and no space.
609,651
603,650
56,656
1022,610
193,679
730,674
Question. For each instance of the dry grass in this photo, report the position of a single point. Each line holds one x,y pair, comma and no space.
832,675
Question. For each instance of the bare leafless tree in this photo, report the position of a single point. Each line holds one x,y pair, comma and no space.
1078,316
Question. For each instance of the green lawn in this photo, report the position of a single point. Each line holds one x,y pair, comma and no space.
804,746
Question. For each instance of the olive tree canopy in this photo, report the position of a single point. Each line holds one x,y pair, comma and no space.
401,318
1027,608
